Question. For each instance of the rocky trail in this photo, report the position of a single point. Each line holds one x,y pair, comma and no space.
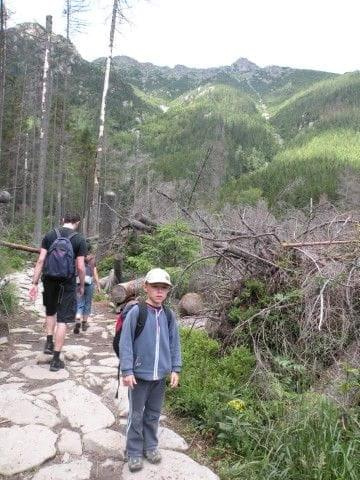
67,425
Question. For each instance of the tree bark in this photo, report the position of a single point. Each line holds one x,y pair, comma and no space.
121,292
44,130
92,220
107,223
25,177
2,70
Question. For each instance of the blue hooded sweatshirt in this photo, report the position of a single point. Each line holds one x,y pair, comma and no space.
156,351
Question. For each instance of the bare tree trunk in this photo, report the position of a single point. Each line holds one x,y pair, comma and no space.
2,69
20,122
32,174
44,130
53,156
25,177
107,223
92,220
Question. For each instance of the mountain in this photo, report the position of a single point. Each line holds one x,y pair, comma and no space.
267,128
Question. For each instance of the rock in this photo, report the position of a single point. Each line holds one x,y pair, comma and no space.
102,370
22,330
23,363
76,352
4,340
191,304
106,443
78,470
109,362
46,397
82,408
70,442
95,329
87,362
26,447
170,440
4,375
121,403
11,386
101,354
15,379
23,346
43,358
91,380
35,372
23,354
105,335
174,466
23,409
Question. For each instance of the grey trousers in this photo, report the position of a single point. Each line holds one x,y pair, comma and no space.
145,403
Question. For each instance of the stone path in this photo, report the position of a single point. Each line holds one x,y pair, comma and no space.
70,419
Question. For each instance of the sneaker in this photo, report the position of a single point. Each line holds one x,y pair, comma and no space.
135,463
77,328
153,456
84,326
55,365
49,347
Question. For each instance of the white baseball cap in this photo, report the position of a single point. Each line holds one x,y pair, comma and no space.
158,275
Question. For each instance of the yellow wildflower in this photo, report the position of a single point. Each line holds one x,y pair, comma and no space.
237,405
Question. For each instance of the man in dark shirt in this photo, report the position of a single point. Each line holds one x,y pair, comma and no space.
59,295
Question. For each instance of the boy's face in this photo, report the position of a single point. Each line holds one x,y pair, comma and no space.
156,293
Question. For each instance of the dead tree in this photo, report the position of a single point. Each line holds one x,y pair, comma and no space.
94,200
107,223
2,69
44,130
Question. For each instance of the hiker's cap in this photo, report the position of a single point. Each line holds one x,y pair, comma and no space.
158,275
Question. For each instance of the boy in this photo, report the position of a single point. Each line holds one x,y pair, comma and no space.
145,362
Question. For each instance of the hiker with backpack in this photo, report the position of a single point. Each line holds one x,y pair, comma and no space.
149,351
62,249
84,302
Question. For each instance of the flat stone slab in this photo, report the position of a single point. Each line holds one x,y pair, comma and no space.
23,354
24,409
26,447
82,408
109,362
174,466
107,443
76,352
70,442
22,330
35,372
102,370
170,440
4,375
78,470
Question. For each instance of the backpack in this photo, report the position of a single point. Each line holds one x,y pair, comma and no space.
139,325
60,258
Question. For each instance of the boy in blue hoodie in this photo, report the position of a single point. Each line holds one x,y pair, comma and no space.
145,363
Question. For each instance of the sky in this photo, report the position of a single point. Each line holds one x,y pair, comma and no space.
314,34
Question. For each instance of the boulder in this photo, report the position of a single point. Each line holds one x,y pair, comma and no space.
106,443
69,442
191,304
78,470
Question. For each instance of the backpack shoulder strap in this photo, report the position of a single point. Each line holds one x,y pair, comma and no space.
57,231
72,235
168,314
140,324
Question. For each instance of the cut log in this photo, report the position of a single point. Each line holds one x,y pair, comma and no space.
121,292
16,246
191,304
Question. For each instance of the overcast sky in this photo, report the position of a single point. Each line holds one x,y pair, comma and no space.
315,34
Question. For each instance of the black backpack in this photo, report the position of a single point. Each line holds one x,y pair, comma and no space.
60,258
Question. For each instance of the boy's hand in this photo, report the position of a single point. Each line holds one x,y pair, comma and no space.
33,293
174,380
129,381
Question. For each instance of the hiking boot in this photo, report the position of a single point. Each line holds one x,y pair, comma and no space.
56,364
84,326
153,456
135,463
77,328
49,347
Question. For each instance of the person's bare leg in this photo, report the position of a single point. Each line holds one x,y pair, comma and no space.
50,324
50,327
60,336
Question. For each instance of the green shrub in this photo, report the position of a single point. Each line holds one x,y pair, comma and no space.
105,265
8,299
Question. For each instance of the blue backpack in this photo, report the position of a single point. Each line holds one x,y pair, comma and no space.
60,258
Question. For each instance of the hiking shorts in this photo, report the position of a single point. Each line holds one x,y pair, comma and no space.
59,297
